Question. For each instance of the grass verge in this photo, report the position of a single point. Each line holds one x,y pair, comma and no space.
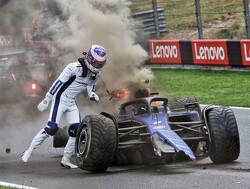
6,187
228,88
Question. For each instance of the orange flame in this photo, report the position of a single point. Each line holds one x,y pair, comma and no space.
33,86
121,93
155,103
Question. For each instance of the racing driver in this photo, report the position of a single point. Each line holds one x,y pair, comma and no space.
75,78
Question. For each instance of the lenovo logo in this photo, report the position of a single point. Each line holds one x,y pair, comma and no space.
209,53
166,51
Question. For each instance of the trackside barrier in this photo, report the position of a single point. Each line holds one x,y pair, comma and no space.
221,52
148,23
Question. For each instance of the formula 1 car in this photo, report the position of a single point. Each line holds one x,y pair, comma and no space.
151,129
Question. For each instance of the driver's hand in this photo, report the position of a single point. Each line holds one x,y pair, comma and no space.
43,105
94,97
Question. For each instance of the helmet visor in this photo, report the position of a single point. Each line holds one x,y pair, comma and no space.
94,63
97,65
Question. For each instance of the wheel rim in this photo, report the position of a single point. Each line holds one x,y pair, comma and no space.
82,142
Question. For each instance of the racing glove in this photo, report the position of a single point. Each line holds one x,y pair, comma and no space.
93,97
91,92
44,104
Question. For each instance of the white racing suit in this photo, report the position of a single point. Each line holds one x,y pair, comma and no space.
74,79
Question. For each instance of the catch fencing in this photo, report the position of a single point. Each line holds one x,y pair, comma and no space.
209,19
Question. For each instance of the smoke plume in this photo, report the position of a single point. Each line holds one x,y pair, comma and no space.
111,28
75,25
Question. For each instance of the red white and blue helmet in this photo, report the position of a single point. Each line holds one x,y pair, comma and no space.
96,58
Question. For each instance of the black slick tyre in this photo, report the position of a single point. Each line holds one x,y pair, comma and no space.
225,142
177,105
95,143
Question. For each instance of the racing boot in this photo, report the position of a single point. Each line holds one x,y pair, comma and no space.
37,141
66,163
68,152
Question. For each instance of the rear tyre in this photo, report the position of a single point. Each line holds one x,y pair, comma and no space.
95,143
224,135
177,105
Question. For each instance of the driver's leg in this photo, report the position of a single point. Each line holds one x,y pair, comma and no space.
73,120
50,129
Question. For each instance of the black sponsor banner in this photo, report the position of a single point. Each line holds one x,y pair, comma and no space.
186,52
234,53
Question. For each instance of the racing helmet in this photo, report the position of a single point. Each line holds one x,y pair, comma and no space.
95,58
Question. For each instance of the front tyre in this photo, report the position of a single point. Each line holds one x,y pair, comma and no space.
95,143
224,135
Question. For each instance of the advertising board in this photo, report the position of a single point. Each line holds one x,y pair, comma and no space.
165,51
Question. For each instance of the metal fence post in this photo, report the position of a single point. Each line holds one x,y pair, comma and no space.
198,17
246,12
154,2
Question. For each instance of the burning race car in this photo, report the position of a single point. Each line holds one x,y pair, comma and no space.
153,129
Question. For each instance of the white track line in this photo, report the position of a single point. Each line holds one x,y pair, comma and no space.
232,107
15,185
241,108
